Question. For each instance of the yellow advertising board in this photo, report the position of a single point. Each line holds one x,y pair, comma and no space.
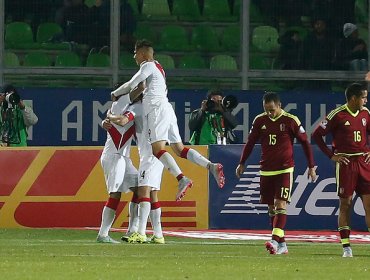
43,187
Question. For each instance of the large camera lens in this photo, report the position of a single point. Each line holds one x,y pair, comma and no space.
211,105
229,102
12,98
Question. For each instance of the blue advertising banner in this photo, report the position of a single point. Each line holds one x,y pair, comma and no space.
314,205
69,117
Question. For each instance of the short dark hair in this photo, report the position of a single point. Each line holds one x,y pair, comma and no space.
214,92
355,89
8,88
271,96
143,43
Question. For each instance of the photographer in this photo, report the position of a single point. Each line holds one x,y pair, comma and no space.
15,118
213,122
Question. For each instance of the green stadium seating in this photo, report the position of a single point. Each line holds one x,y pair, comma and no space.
258,61
156,10
68,59
11,59
230,39
361,11
223,62
174,38
186,10
134,5
217,10
98,60
18,35
265,38
90,3
363,33
37,59
192,61
45,32
204,38
145,31
126,60
165,60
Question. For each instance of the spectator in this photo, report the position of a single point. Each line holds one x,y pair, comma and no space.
213,122
290,50
352,50
15,118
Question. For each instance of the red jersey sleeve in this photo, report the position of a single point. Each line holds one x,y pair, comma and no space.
301,136
253,137
318,135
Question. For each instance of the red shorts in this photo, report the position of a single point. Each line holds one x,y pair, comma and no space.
354,177
276,187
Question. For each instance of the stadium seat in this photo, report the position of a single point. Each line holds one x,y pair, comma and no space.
265,38
186,10
90,3
134,5
145,31
363,33
174,38
46,31
361,11
230,39
68,59
217,10
223,62
11,59
156,10
258,61
192,61
255,14
165,60
37,59
18,35
98,60
204,38
126,60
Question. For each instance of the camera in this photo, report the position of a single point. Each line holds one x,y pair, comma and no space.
229,102
12,98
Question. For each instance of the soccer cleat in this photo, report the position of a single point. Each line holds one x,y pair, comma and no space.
106,239
347,252
126,236
157,240
137,238
217,171
282,249
271,246
184,184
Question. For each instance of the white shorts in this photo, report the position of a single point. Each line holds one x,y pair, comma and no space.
161,124
119,172
150,173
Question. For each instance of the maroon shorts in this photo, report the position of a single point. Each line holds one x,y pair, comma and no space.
276,187
354,177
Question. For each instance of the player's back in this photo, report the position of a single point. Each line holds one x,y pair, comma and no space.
156,89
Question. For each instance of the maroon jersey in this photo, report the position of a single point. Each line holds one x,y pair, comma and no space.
276,137
349,131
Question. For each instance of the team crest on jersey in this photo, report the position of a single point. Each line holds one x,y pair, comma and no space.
323,124
363,121
282,127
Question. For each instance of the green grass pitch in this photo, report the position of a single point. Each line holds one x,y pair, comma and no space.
74,254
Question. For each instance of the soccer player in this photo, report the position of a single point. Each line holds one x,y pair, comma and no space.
276,130
150,176
119,172
349,126
161,121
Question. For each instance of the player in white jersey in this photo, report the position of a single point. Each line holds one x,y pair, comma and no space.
119,172
160,118
150,176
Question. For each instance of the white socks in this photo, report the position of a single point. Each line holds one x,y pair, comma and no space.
144,209
170,164
107,219
197,158
133,222
155,219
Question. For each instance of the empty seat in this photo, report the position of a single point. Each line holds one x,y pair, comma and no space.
192,61
126,60
156,10
46,31
223,62
204,38
265,38
174,38
98,60
37,59
231,38
165,60
186,10
145,31
260,62
18,35
217,10
11,59
68,59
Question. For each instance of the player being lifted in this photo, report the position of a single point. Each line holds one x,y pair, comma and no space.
276,130
160,119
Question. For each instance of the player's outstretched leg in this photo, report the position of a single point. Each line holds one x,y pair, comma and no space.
217,170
